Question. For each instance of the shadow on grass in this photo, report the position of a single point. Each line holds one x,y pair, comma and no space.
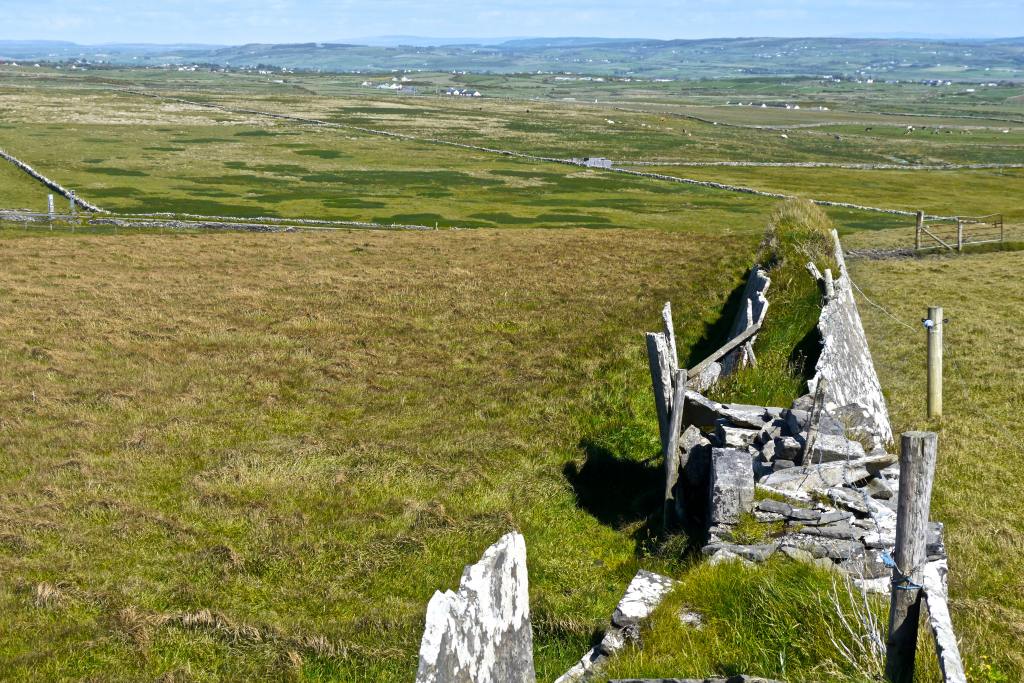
618,492
805,354
624,493
716,334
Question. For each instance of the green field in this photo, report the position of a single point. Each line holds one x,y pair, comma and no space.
254,457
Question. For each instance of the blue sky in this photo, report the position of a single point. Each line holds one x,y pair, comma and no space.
237,21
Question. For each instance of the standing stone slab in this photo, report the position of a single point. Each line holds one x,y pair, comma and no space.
753,308
845,366
482,632
732,485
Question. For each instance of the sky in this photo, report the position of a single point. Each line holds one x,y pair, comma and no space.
279,21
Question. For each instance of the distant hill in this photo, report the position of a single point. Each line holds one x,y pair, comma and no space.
878,58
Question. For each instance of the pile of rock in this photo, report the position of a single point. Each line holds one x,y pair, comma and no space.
827,499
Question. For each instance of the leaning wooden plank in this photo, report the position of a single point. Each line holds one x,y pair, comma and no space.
661,380
942,626
934,237
729,346
675,427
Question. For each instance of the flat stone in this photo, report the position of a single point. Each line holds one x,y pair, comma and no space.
840,531
614,640
752,417
832,548
835,516
768,517
833,448
802,481
691,619
644,593
775,506
732,485
782,464
797,554
867,566
735,437
482,632
752,553
844,372
726,555
849,499
701,411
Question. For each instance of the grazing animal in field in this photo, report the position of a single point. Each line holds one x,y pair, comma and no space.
869,128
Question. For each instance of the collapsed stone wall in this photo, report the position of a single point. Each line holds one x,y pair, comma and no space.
835,499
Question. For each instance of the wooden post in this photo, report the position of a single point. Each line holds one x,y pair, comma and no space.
661,380
918,452
959,235
934,326
917,232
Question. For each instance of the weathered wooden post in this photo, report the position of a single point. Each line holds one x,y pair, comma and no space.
917,232
959,234
918,452
934,327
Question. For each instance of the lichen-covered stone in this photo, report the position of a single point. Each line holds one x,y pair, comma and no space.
482,631
732,485
845,371
644,593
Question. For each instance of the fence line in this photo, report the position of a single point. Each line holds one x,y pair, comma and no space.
508,153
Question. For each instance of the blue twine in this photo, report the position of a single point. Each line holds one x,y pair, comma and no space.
900,581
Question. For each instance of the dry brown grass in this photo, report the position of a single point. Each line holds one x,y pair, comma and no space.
307,434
